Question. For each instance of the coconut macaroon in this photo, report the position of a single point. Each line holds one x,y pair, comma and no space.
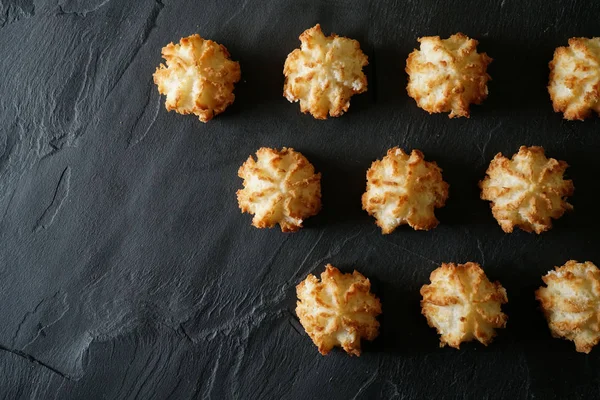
339,310
404,189
527,191
574,84
280,187
462,304
571,303
447,75
324,73
198,78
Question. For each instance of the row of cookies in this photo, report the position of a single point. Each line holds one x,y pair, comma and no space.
526,191
460,302
444,75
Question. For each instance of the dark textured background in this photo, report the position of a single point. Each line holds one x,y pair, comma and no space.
127,271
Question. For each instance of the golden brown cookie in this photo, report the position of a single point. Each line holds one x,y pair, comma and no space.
447,75
574,85
571,303
339,310
198,78
463,305
527,191
324,73
280,187
404,189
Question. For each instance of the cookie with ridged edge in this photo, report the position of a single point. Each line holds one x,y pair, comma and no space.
527,191
404,189
198,77
463,305
574,84
571,303
339,310
280,187
448,75
324,73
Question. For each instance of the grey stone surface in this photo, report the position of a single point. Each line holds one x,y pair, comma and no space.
127,271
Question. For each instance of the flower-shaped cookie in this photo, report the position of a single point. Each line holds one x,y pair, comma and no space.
404,189
571,303
447,75
280,187
198,78
527,191
462,304
575,78
339,310
324,73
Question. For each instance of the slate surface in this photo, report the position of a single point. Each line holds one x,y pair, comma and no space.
127,271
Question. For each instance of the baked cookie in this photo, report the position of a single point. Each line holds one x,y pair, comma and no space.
324,73
574,85
447,75
527,191
198,78
280,187
404,189
340,310
462,304
571,303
